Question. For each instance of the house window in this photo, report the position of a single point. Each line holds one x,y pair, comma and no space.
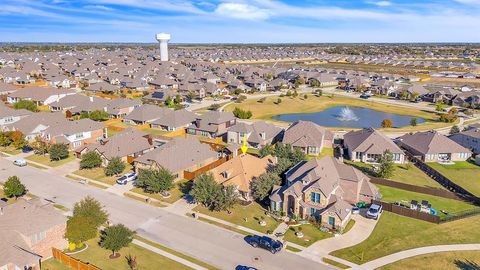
358,155
315,197
312,211
76,144
78,135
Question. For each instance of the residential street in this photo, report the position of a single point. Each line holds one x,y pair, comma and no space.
211,244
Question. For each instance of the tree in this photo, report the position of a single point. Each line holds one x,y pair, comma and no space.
178,99
39,146
26,104
225,198
439,107
58,151
289,93
454,129
266,150
242,114
386,123
279,100
14,188
204,188
115,167
262,186
115,237
413,122
90,160
305,96
91,209
98,115
5,138
404,95
386,165
80,229
18,139
155,181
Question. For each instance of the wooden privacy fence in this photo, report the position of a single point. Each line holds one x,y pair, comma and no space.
407,212
424,190
72,262
191,175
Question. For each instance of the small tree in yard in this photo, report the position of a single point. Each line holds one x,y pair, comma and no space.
14,188
386,165
413,122
225,198
262,186
91,209
115,166
39,146
454,129
58,151
204,186
80,229
18,139
387,123
155,181
114,238
90,160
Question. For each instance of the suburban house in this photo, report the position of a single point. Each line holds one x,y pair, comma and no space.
34,124
258,134
212,124
145,114
368,145
9,115
75,133
324,189
120,107
39,95
469,138
307,136
29,230
240,171
127,145
431,146
174,120
178,155
77,104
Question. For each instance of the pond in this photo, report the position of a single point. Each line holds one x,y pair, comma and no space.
351,117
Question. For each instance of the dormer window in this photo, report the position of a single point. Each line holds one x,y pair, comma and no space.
314,197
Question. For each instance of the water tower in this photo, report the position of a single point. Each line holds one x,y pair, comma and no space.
163,38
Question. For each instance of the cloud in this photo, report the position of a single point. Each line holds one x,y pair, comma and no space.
242,11
98,7
381,3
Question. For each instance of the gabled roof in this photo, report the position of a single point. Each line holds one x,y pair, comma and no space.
176,118
147,113
369,141
432,142
306,133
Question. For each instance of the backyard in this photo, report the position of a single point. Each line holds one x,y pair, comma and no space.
394,233
181,188
247,216
311,234
464,173
45,160
453,260
99,174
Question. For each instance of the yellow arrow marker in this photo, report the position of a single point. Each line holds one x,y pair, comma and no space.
244,147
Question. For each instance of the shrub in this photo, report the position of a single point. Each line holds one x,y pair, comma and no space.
116,237
58,151
115,167
387,123
14,188
242,114
26,104
155,181
92,210
90,160
80,229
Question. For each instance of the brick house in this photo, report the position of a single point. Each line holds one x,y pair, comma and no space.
75,133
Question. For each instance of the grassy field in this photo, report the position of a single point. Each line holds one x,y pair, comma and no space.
246,216
403,173
390,194
310,235
453,260
394,233
45,160
181,188
466,174
268,109
146,259
99,175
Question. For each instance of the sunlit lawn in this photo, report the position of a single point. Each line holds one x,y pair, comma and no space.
464,173
181,188
99,174
311,234
45,160
452,260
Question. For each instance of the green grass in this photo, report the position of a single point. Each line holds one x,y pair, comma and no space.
99,175
146,259
310,235
181,188
10,150
440,260
154,131
176,253
36,166
335,263
53,264
140,199
221,225
349,226
252,213
390,194
61,207
45,160
293,249
464,173
408,174
96,185
394,233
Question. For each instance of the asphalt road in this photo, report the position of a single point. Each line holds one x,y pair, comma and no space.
211,244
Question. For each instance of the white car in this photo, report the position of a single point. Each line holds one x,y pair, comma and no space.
374,211
20,162
124,179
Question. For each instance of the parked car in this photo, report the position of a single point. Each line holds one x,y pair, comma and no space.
124,179
27,149
374,211
365,96
355,210
264,242
244,267
20,162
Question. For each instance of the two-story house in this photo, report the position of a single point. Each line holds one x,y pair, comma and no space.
469,138
212,124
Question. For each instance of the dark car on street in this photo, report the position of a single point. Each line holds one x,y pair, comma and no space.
264,242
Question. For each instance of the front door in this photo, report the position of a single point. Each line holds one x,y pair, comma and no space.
331,221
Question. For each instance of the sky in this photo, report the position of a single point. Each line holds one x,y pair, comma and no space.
232,21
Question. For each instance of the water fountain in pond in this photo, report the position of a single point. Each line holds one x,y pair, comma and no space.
346,114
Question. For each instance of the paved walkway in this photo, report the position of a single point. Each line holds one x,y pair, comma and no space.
414,252
168,255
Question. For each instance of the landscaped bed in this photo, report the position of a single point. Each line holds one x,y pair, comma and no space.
246,216
464,173
394,233
311,234
45,160
452,260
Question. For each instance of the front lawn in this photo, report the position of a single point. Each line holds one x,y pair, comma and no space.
53,264
390,194
99,175
10,150
394,233
246,216
464,173
45,160
146,259
452,260
311,234
181,188
403,173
